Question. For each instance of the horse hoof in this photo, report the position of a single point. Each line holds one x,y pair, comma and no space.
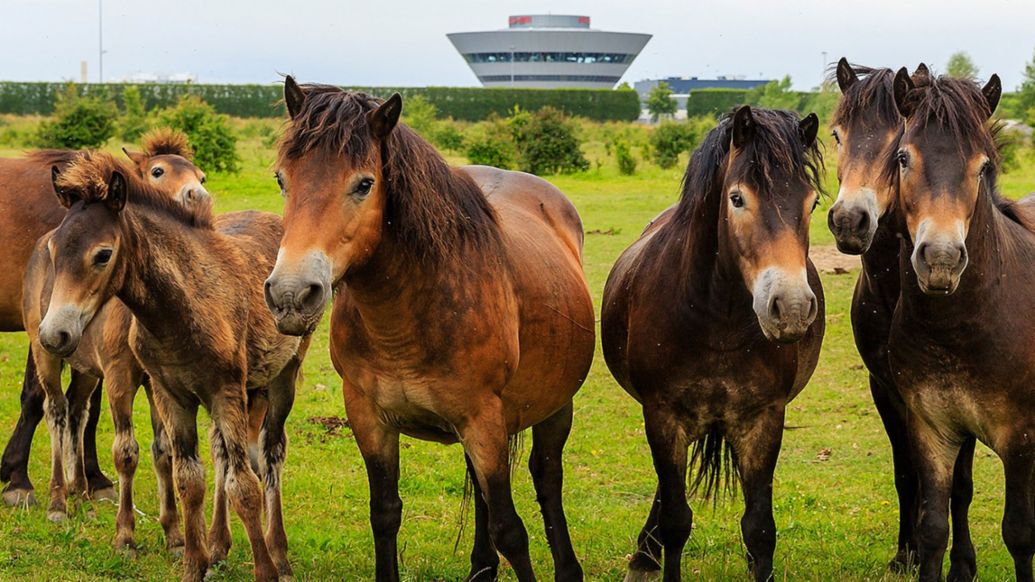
642,575
56,516
106,494
903,562
128,551
19,497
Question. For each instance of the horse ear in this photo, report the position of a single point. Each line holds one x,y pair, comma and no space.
136,157
808,129
846,76
922,73
294,97
902,87
65,197
743,126
384,118
116,198
993,90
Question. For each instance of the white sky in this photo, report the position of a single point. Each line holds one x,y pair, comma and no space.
403,42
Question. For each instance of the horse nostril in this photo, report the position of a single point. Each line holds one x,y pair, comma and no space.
311,298
862,224
813,308
775,308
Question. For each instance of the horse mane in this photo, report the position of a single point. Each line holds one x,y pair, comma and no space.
166,141
89,174
776,146
434,210
873,96
59,158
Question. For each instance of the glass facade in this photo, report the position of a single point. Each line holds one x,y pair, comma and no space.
545,78
526,57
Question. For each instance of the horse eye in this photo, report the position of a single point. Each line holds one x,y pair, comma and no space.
157,172
837,138
280,182
737,199
903,159
204,179
102,257
364,186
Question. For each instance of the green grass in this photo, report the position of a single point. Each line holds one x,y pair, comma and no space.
837,518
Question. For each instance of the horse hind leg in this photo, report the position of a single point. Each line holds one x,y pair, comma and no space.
756,447
100,486
486,443
80,391
122,382
219,539
14,466
962,558
646,562
485,561
161,454
547,469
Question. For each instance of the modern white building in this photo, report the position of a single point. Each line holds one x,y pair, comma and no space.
549,51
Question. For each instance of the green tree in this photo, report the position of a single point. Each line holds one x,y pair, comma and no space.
78,122
660,101
547,142
214,143
420,114
134,121
774,95
961,67
1026,94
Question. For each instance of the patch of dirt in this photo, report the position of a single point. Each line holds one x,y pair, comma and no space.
832,262
333,425
609,232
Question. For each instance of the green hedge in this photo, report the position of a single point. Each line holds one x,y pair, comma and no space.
463,103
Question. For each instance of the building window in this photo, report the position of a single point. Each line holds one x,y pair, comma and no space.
545,78
541,57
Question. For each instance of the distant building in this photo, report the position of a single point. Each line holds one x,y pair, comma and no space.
175,78
549,51
682,86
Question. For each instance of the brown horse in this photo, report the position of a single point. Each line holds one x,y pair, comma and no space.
461,313
960,344
866,126
28,210
200,329
736,336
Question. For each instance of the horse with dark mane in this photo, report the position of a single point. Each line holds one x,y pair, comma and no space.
461,315
28,210
867,125
735,336
960,342
199,328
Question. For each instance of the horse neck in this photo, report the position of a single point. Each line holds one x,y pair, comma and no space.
880,262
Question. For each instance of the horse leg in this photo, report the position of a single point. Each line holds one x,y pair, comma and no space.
100,486
757,448
122,380
161,455
55,408
80,392
230,450
485,561
646,562
258,406
379,445
935,457
486,442
14,467
1019,511
219,539
668,447
273,442
548,439
907,482
181,420
962,559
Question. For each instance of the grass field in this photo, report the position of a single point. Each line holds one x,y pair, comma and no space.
836,511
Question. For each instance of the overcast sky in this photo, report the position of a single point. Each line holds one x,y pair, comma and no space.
403,42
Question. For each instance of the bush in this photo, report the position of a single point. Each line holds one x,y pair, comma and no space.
1010,145
134,121
79,122
485,151
214,143
419,114
448,137
546,142
668,140
623,154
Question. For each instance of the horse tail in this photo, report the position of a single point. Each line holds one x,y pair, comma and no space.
712,459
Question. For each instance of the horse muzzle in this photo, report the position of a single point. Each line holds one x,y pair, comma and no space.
785,305
853,224
61,330
297,294
939,266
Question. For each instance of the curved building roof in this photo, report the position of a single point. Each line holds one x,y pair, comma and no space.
549,51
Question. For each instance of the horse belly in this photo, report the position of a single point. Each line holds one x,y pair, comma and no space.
954,406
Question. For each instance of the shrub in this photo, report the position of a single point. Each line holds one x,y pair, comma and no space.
485,151
667,141
448,136
214,143
546,142
624,157
1010,145
419,114
79,122
134,121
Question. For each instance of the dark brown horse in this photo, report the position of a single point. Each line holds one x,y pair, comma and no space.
715,359
960,344
461,314
200,328
28,210
866,126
